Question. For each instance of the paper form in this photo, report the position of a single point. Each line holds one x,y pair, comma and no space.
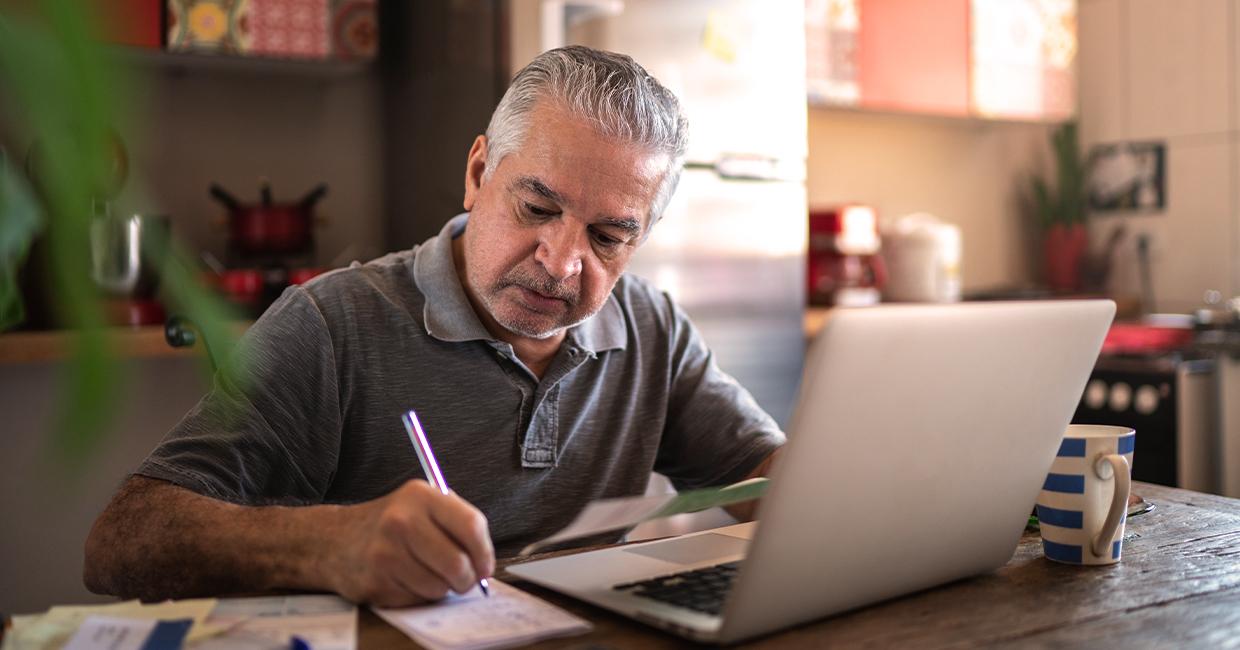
267,623
509,617
613,514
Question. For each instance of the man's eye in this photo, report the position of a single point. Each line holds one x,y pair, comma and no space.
606,240
537,211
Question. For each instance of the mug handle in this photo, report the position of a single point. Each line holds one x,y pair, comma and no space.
1116,466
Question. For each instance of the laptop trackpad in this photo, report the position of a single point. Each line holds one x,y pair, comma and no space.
692,550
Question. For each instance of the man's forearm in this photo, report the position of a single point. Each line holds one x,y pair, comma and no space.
156,540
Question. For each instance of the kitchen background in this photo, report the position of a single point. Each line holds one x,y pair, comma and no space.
389,135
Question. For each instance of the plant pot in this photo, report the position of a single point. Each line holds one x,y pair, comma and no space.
1064,247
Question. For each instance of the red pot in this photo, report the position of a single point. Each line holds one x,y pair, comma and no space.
276,229
270,228
1064,247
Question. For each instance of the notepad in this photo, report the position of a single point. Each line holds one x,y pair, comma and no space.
509,617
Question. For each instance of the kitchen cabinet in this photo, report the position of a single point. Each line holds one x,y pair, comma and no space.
48,497
914,56
967,58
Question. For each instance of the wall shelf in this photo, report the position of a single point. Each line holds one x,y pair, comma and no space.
192,62
48,346
57,345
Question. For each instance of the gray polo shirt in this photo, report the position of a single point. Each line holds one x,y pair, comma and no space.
336,361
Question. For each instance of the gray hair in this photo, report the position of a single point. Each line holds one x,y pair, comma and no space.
609,90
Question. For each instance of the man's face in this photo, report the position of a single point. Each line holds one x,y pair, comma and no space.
554,226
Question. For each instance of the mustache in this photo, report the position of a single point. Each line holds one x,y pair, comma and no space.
541,283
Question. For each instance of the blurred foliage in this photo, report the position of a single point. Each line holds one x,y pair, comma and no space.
1065,203
63,89
20,221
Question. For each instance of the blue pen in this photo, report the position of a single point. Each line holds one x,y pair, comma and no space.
431,468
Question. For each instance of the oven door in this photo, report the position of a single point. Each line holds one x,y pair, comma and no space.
1173,406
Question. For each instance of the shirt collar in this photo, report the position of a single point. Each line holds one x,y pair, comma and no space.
449,316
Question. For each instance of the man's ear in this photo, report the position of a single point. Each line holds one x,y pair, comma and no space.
475,166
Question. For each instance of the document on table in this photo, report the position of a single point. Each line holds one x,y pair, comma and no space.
509,617
613,514
112,633
267,623
55,627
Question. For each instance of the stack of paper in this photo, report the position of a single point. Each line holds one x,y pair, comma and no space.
57,626
509,617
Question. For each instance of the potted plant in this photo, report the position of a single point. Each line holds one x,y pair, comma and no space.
62,90
1061,211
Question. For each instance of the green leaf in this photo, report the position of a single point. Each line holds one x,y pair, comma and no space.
66,93
1067,201
20,222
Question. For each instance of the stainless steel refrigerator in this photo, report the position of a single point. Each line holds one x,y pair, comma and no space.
731,246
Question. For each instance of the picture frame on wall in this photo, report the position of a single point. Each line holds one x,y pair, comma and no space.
1128,176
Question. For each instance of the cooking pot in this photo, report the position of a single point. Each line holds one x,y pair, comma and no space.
270,228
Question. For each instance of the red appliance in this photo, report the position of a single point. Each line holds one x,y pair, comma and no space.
844,267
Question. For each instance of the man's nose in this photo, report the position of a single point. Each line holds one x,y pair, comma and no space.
560,250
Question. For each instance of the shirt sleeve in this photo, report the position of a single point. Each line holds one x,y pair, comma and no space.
716,432
269,431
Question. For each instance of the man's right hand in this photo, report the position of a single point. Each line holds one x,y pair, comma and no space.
156,540
411,546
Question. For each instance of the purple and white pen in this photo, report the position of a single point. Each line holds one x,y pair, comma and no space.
430,467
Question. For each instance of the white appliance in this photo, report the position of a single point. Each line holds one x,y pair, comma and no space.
923,254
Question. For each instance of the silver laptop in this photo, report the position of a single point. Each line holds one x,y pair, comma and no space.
920,442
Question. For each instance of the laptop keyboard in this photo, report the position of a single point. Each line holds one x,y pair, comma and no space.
702,590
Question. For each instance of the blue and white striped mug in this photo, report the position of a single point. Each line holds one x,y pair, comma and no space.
1084,501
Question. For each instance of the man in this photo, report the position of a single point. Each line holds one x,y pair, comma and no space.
545,378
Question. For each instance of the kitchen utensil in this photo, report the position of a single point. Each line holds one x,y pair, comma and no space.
125,252
1096,267
1143,267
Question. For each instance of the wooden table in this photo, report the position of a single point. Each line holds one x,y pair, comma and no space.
1177,586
